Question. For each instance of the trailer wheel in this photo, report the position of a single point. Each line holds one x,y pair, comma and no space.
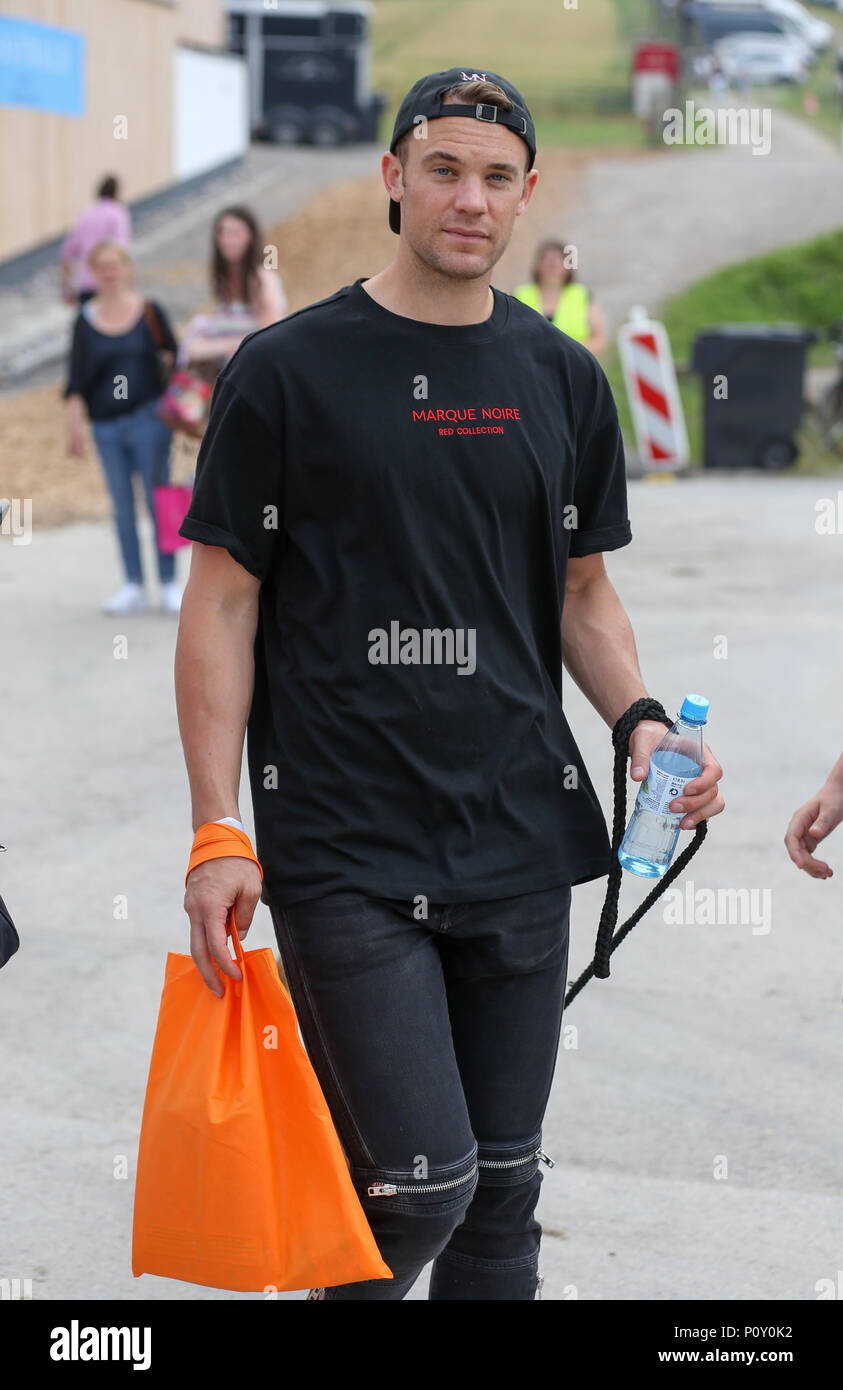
328,126
326,133
286,127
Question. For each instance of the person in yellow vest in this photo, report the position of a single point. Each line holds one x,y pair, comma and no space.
554,291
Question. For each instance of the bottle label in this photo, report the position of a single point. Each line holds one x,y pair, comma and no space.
659,788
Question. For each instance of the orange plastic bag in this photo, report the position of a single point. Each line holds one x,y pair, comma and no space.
242,1181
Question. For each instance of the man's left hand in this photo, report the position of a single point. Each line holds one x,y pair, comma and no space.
701,798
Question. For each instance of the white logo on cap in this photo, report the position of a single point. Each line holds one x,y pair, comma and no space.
474,76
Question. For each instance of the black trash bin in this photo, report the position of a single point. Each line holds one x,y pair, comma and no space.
753,424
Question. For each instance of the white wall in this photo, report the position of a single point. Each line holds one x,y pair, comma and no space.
210,111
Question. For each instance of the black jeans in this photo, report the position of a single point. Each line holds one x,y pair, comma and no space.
434,1041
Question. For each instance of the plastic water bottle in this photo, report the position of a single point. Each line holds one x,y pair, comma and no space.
650,838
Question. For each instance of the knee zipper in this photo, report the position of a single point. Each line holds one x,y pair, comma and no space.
389,1189
514,1162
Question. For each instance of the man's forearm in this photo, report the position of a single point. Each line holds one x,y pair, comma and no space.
598,649
214,679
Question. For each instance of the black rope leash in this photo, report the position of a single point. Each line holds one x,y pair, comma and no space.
607,942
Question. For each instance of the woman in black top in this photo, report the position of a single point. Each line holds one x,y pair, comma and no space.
114,378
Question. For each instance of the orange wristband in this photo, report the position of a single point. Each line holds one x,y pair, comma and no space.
215,841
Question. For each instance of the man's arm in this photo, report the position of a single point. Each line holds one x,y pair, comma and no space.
598,650
598,645
214,679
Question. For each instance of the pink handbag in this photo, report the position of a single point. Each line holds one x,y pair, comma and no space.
171,503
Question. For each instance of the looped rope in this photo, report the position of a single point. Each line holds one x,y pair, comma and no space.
606,942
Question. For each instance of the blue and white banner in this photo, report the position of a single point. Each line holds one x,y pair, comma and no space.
42,67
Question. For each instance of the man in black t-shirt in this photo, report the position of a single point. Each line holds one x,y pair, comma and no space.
402,499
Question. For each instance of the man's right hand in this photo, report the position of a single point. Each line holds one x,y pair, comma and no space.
213,889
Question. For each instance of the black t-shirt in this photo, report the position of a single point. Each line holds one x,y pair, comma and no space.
406,734
97,359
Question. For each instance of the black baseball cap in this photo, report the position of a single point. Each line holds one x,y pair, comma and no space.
425,99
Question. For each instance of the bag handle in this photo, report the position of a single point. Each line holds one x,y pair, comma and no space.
231,928
154,325
184,454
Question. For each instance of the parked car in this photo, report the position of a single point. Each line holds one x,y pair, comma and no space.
758,59
817,33
711,22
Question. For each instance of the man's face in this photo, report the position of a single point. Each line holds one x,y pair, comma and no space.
463,187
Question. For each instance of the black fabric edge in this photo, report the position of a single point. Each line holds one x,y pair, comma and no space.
609,538
281,894
194,530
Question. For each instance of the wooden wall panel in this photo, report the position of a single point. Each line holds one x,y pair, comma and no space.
50,164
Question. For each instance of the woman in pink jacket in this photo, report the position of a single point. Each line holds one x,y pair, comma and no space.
105,220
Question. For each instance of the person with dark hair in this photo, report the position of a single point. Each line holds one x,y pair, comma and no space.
247,294
402,503
114,379
553,290
107,219
109,188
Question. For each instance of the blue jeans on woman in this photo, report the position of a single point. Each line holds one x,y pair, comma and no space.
136,441
434,1041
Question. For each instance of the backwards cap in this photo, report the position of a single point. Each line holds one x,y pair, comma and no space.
425,99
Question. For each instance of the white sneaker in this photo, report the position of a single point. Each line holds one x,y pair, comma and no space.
170,598
131,599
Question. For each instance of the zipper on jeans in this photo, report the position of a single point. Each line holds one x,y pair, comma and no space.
390,1189
515,1162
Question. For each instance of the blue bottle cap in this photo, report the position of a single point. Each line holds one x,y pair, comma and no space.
694,709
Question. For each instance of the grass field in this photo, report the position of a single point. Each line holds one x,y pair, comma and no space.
572,65
803,284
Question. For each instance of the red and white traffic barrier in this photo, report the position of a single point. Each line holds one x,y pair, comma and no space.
650,378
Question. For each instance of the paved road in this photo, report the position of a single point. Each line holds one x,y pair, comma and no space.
709,1042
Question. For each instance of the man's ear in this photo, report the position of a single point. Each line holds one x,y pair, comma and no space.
530,181
392,173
